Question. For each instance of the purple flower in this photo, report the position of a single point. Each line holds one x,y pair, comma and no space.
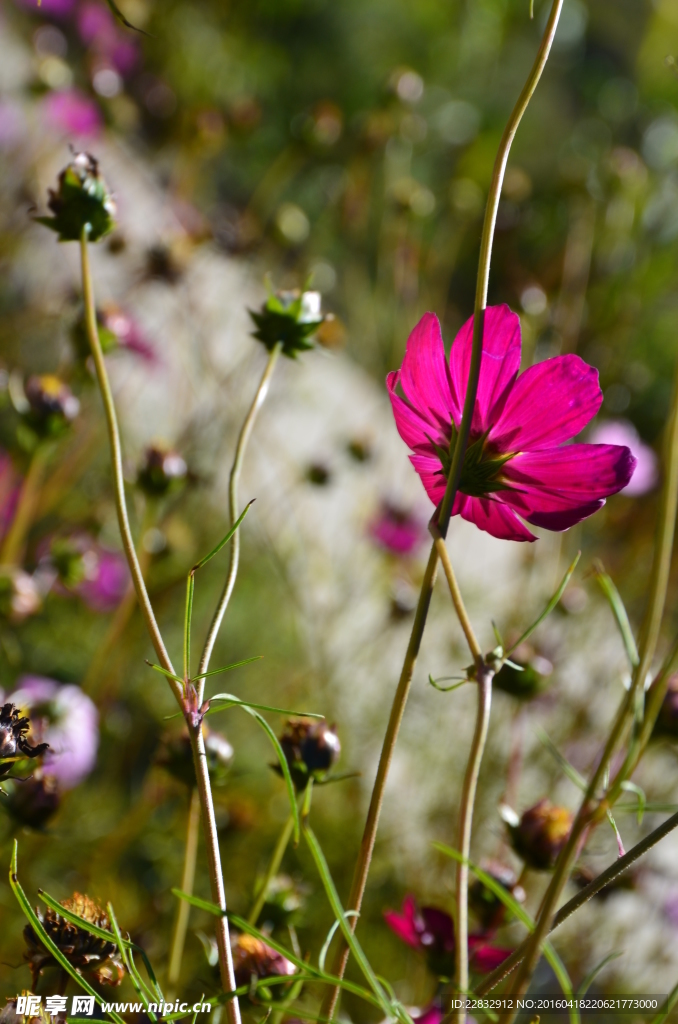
396,529
646,474
72,113
66,719
10,485
516,462
97,574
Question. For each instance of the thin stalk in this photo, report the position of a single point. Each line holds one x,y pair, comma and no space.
272,870
468,796
234,480
13,546
196,736
594,806
617,868
455,594
187,882
400,698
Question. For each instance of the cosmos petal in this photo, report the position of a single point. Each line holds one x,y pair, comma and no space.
411,426
424,375
550,403
494,518
432,476
499,365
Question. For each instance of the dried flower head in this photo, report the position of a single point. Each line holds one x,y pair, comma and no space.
253,961
541,834
488,908
52,406
87,953
35,800
529,679
162,470
311,748
290,318
13,738
82,200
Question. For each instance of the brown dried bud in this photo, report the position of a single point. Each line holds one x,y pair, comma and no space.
541,834
13,738
34,801
253,960
161,470
311,748
487,907
87,953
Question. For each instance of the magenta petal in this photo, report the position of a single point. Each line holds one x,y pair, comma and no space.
499,364
550,403
486,958
404,925
493,517
424,375
411,425
432,477
561,486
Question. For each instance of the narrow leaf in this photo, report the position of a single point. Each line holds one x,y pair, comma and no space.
222,543
569,769
164,672
227,668
549,607
188,618
620,844
593,974
616,604
328,941
447,689
195,901
121,17
670,1003
283,764
632,787
135,977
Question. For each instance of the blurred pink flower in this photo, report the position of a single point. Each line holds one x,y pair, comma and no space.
10,486
64,717
396,529
97,574
105,589
97,28
516,460
73,113
646,475
127,332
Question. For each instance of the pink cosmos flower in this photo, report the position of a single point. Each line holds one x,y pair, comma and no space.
72,113
646,475
516,462
396,529
431,931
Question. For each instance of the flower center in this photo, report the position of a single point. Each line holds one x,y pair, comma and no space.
481,471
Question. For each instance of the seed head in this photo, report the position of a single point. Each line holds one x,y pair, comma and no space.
253,960
311,748
290,318
176,757
81,200
87,953
52,406
161,470
488,908
541,834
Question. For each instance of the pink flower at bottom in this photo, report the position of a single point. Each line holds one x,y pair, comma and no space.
396,529
73,113
516,462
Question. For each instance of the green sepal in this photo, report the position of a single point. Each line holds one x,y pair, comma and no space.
81,202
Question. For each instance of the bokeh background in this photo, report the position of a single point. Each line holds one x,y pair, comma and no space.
347,145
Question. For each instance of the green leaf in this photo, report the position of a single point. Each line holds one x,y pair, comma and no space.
283,764
338,910
328,941
447,689
165,672
188,618
135,977
233,701
46,941
670,1003
228,668
569,770
548,609
631,787
225,540
195,901
518,911
593,974
616,604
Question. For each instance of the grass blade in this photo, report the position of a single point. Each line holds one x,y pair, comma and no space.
164,672
549,607
568,769
282,760
328,941
227,668
556,964
188,618
616,604
593,974
46,941
135,977
232,700
222,543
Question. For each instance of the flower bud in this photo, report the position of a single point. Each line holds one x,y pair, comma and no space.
34,801
52,406
161,471
541,834
82,200
487,907
176,756
13,737
19,595
289,318
311,748
117,329
89,954
667,719
253,960
527,681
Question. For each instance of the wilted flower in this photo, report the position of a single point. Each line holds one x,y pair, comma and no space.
396,529
34,800
96,574
667,719
253,960
161,471
430,930
529,679
52,406
646,474
66,719
81,200
539,836
311,748
14,739
19,594
516,460
71,112
86,952
289,318
487,907
176,757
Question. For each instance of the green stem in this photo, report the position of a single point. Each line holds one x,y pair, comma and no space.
196,736
455,594
402,691
12,550
234,479
593,806
272,870
187,882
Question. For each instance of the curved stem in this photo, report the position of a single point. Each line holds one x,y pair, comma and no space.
234,479
400,698
12,550
272,870
197,739
455,594
187,882
468,796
